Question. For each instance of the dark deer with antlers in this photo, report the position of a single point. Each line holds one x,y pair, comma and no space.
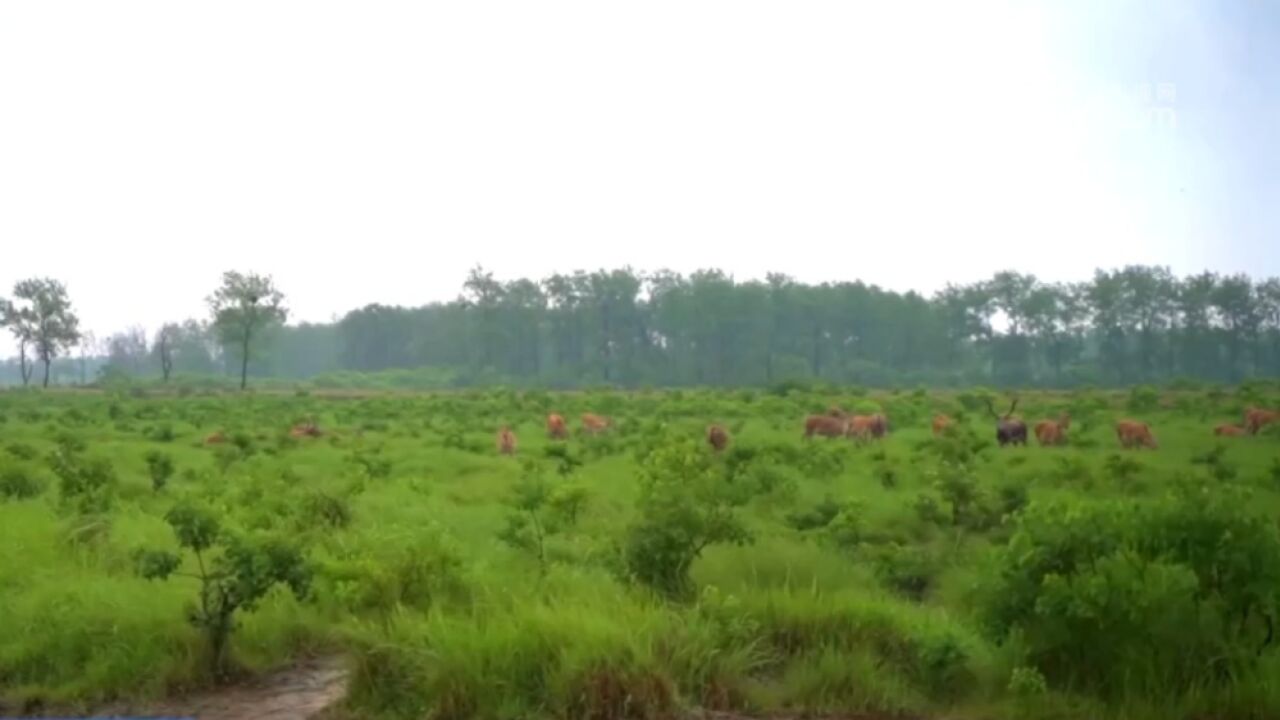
1009,430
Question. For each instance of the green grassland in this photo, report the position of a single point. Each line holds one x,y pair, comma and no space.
638,574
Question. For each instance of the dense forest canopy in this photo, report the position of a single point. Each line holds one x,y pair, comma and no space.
630,329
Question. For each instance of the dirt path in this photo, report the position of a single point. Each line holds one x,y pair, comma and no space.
299,693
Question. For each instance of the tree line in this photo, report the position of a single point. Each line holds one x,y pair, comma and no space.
1136,324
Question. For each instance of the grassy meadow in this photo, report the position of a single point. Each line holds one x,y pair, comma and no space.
637,573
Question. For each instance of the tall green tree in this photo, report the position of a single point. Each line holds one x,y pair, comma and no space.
483,293
1195,338
1111,321
127,352
1149,300
1237,311
19,322
244,306
1268,300
1053,317
162,349
41,317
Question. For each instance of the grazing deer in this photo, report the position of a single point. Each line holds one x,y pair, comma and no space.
1133,434
305,430
593,424
1229,430
826,426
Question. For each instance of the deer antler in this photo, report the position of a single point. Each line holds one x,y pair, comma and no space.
1012,407
991,409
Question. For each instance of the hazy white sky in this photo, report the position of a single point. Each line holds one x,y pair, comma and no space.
365,152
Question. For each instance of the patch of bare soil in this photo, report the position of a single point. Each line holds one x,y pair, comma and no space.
709,715
299,693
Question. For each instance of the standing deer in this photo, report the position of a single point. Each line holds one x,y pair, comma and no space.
941,424
1009,430
506,441
826,426
556,429
1053,432
1257,418
718,437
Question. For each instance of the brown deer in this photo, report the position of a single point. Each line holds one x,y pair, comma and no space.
1257,418
593,424
718,437
556,428
1053,432
941,424
865,427
506,441
826,426
1133,434
1229,430
307,429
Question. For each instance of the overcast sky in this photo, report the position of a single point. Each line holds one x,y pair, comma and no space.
364,152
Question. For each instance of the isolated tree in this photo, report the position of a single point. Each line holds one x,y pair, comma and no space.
41,318
127,350
88,345
163,348
244,305
18,321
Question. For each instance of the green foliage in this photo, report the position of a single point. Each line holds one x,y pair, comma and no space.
929,509
1143,398
162,433
960,489
372,461
160,468
424,572
42,322
21,451
1215,462
848,528
856,596
327,510
1027,682
907,570
567,501
235,580
1116,596
686,505
1013,497
817,517
87,485
243,306
17,483
541,509
1122,467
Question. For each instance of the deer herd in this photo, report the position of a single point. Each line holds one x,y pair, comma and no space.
836,423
